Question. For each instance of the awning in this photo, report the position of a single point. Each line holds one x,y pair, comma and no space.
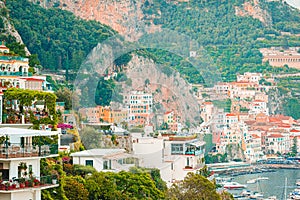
197,144
7,131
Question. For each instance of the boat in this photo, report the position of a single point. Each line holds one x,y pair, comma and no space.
256,195
298,182
262,178
234,185
223,180
294,195
271,198
251,181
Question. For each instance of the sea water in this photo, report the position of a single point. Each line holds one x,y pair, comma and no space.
275,185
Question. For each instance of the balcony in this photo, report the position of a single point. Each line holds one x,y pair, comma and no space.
21,184
16,150
8,73
20,143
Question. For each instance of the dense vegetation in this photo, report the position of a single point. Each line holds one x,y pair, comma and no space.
289,87
62,40
58,37
85,183
231,40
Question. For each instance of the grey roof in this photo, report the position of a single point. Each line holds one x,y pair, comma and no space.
97,152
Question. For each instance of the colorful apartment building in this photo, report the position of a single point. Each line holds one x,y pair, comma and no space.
103,114
139,104
173,120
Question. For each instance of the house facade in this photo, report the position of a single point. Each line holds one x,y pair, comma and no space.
20,164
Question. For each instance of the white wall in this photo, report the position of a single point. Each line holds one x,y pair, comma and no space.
147,145
97,162
13,172
26,195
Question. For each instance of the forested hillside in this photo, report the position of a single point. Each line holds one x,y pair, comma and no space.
231,39
229,30
56,36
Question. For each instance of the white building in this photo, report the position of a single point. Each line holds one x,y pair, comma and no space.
249,77
174,156
105,159
258,106
19,150
253,148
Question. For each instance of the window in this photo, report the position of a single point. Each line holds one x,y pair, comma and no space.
89,163
107,164
176,149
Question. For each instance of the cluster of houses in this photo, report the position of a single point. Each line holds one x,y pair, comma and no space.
137,110
173,154
14,72
174,151
249,123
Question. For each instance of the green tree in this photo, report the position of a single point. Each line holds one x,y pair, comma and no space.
104,92
90,138
194,186
69,97
83,170
122,185
75,189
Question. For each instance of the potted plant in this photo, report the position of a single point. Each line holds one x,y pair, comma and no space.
23,166
54,175
22,182
36,182
26,183
54,181
7,185
30,173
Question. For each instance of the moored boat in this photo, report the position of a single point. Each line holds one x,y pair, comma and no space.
234,185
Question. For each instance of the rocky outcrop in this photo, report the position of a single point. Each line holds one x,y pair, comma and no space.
170,91
10,29
252,8
126,16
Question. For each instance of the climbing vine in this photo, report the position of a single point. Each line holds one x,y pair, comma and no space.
27,97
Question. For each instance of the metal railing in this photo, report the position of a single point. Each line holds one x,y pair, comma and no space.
17,150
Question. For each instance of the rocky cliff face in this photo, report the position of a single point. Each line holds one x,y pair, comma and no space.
123,16
170,92
252,8
9,29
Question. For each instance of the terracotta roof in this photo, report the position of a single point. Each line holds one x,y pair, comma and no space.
33,79
295,131
230,115
275,136
284,125
168,112
258,100
249,122
255,136
281,117
207,103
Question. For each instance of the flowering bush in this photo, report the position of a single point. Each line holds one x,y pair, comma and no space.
36,181
65,126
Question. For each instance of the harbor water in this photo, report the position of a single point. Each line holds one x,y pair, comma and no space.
274,186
